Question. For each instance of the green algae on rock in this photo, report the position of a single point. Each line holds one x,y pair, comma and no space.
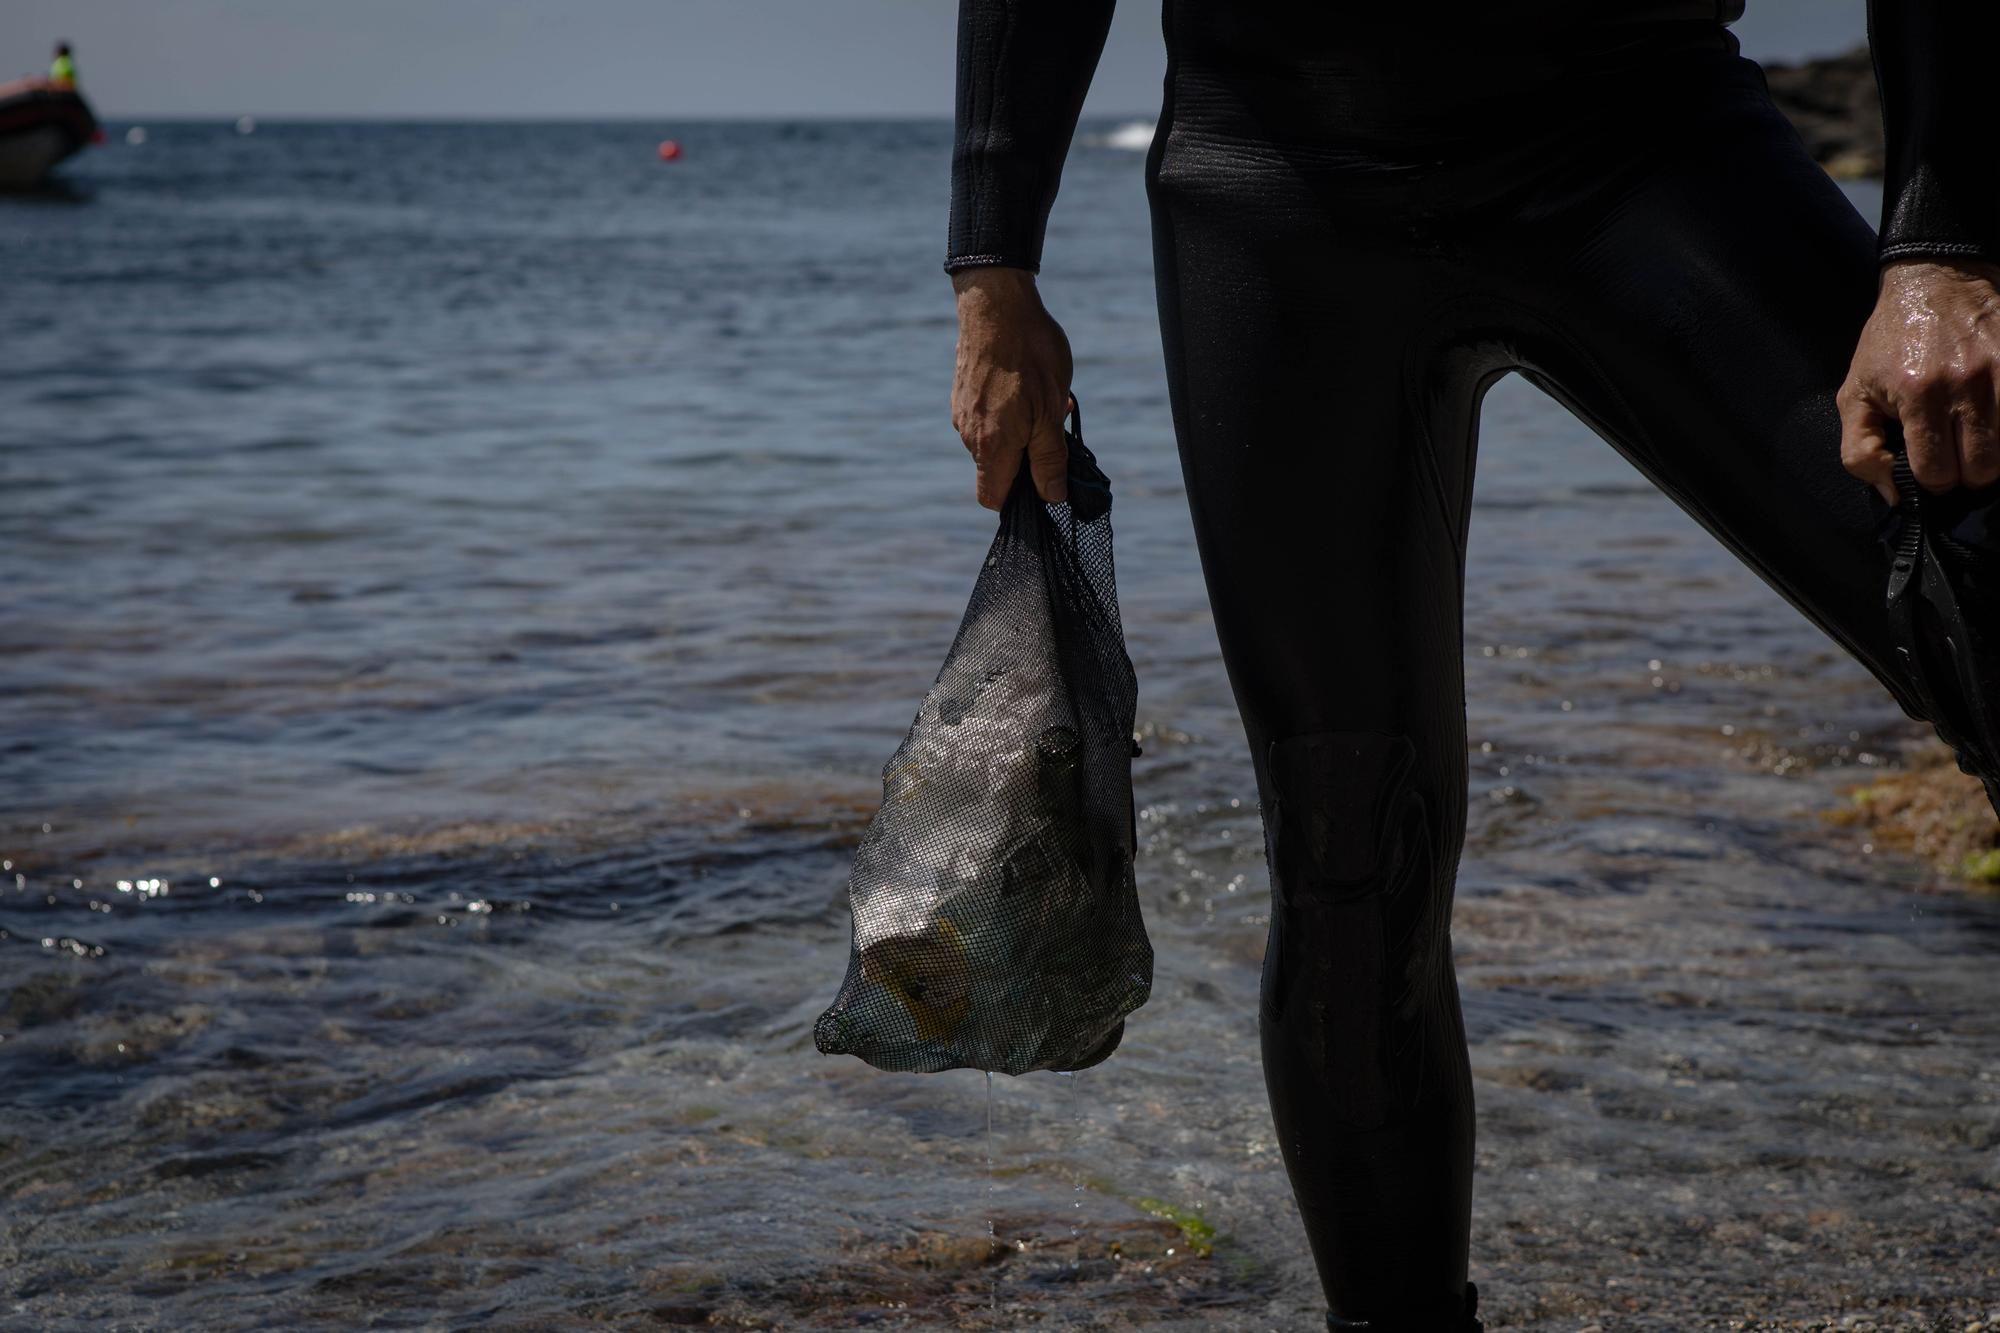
1927,809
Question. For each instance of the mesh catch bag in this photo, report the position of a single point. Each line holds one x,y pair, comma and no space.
996,921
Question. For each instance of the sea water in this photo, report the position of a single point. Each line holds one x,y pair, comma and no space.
461,584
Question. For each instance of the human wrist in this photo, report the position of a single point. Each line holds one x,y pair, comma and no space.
1907,268
994,289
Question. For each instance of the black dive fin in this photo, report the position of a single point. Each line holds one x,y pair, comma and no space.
1944,613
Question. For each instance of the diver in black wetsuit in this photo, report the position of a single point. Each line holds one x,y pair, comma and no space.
1362,217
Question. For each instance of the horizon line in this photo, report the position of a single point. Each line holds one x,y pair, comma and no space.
573,117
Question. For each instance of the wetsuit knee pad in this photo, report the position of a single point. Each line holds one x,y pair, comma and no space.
1357,934
1341,800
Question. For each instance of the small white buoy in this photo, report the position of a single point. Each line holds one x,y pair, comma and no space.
136,135
246,124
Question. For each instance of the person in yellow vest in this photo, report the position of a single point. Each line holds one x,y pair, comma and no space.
62,72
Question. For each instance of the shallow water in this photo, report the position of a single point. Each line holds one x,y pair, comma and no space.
461,585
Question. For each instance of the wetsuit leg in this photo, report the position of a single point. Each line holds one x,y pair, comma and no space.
1325,442
1700,314
1336,294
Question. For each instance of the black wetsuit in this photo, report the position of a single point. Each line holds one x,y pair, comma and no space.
1359,223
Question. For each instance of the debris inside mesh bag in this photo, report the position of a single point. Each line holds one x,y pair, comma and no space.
996,920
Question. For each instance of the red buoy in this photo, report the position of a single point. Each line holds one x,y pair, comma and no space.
670,150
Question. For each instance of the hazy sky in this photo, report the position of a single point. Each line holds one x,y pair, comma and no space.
640,58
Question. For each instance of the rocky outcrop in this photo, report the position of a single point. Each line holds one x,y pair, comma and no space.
1834,105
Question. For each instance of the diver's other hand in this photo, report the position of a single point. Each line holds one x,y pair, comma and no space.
1010,392
1929,358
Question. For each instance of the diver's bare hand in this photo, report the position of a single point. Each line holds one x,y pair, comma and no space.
1929,358
1011,390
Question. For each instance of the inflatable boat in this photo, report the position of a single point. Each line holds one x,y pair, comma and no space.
40,125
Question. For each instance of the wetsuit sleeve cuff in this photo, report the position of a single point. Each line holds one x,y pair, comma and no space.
953,263
1893,251
1941,177
1023,69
